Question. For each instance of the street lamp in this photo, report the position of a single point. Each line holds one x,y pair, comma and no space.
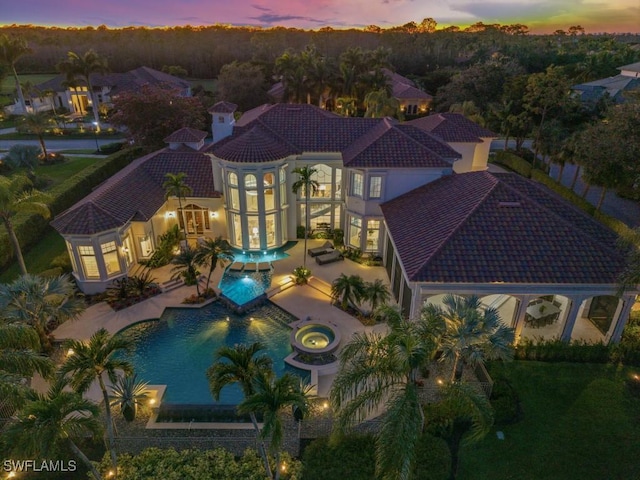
95,136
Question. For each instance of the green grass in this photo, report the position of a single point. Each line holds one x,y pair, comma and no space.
578,423
8,85
207,83
88,135
39,257
59,172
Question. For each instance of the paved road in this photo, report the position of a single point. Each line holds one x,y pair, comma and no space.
55,145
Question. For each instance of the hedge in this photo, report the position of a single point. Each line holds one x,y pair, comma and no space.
513,162
30,228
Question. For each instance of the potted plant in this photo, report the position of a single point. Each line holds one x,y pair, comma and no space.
127,393
301,275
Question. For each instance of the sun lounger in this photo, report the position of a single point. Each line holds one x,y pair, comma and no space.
330,257
326,248
264,267
236,267
251,267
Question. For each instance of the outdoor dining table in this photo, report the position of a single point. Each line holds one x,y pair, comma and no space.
541,313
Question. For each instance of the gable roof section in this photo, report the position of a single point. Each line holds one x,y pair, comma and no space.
632,67
186,135
404,91
223,107
452,127
613,86
285,129
480,228
136,192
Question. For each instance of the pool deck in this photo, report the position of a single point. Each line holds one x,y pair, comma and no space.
301,301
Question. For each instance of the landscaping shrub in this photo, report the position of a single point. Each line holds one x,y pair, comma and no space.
556,350
63,262
22,156
513,162
111,148
301,275
505,402
338,237
300,231
433,460
351,457
168,241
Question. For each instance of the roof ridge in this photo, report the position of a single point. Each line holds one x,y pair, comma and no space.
547,191
433,136
362,142
458,227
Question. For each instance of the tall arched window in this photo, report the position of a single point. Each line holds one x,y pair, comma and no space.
268,180
251,192
234,195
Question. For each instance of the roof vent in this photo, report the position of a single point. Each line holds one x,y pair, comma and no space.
508,204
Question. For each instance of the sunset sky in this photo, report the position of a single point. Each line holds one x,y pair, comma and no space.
541,16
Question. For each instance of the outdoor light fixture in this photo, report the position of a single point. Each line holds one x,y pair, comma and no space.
70,352
213,214
170,214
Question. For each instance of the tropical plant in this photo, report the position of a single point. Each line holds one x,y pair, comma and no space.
91,361
270,397
348,289
19,359
376,293
128,393
377,371
186,267
462,415
307,186
38,123
42,303
468,333
84,66
12,48
163,254
53,423
380,104
301,275
212,253
22,156
240,364
16,197
175,186
141,282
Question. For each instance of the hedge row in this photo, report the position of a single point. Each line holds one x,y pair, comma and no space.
626,353
513,162
30,228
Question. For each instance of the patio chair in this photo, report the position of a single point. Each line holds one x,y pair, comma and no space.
330,257
325,248
236,267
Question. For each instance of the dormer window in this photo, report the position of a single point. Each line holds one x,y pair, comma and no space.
220,119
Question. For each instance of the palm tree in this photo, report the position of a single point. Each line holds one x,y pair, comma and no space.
16,197
175,186
379,104
471,334
376,293
213,252
270,397
240,364
38,123
53,423
378,371
307,186
186,267
348,289
83,66
11,49
461,415
91,361
128,393
42,303
19,359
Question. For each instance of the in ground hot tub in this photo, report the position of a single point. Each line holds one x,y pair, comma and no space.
315,337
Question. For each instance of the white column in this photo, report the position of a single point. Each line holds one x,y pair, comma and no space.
523,302
576,302
622,318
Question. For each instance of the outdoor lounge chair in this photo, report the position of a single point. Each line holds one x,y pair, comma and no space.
264,267
330,257
326,248
236,267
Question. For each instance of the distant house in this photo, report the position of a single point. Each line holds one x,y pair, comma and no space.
413,101
56,93
416,194
611,87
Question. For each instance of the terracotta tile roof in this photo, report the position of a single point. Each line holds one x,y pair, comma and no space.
135,192
388,145
452,127
402,91
223,107
186,135
480,227
307,128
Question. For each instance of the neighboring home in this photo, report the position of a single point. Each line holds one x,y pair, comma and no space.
612,87
57,94
413,101
416,196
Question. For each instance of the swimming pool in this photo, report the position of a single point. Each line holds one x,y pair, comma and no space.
242,287
263,256
177,349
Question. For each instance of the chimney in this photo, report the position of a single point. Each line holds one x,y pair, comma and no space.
222,120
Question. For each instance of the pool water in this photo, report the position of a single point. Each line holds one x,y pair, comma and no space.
177,349
242,287
269,256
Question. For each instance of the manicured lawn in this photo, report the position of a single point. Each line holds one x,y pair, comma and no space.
578,423
39,257
8,84
59,172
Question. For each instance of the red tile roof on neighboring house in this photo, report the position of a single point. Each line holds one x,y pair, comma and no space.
452,127
286,129
223,107
136,193
403,91
186,135
480,228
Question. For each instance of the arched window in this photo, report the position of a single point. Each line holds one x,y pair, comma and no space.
196,219
250,181
251,192
233,179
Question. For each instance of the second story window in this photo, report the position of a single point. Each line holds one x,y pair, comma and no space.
375,187
356,184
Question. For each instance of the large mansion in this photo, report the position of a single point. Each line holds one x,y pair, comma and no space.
417,194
